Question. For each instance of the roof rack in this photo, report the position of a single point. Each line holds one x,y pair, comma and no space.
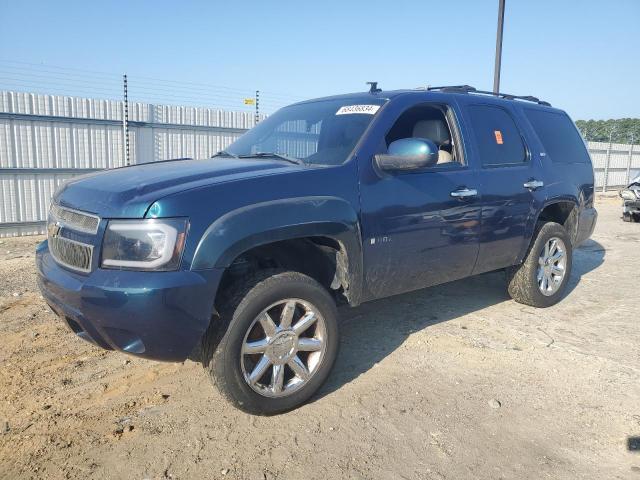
470,89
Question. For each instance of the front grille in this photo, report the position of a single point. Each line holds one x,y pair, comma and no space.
75,220
71,254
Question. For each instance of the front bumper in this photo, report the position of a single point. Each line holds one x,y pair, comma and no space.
155,315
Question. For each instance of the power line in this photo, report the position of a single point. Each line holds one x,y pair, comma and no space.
277,95
164,101
56,74
59,70
158,99
56,81
145,90
48,89
67,81
55,66
71,80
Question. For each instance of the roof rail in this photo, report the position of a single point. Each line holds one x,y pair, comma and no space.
506,96
455,88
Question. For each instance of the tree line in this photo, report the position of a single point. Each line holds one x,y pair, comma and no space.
622,130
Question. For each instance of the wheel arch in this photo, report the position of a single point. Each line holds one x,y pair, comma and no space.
324,222
562,210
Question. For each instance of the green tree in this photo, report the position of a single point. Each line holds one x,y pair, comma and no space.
622,130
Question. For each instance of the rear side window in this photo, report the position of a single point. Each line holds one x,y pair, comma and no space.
559,137
499,140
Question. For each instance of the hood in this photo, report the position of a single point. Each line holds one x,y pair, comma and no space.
129,191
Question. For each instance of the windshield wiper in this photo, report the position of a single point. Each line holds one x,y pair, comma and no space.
273,154
224,153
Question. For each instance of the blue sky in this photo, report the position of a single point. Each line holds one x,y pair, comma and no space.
582,56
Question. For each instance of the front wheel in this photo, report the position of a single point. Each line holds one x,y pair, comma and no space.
280,343
541,279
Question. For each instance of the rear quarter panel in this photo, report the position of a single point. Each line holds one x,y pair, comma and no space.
568,181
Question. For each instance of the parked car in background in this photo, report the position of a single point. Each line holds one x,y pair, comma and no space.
239,260
631,199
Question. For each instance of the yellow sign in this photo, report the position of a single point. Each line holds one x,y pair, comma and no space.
249,101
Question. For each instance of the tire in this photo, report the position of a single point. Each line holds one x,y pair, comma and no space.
229,349
524,283
626,217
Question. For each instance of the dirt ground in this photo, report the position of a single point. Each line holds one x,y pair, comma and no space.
452,382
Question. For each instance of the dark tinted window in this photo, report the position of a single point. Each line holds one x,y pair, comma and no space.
559,137
499,140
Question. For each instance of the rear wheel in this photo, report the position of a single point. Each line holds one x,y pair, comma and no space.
626,217
280,343
540,280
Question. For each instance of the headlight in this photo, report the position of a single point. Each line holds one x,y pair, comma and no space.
628,194
153,244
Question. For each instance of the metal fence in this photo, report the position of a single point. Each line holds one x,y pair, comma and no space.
47,139
613,163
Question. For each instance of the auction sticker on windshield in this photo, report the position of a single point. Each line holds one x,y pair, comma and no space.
366,109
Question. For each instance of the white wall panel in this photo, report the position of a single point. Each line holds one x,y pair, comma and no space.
60,132
26,197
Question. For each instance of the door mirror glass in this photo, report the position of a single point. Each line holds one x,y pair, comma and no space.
408,154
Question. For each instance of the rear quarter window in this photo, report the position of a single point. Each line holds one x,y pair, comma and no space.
560,138
498,138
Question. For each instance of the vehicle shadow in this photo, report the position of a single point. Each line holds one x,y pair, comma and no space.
375,329
587,257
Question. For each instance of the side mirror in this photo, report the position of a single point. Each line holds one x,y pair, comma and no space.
408,154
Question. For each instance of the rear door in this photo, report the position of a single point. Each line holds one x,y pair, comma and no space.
510,181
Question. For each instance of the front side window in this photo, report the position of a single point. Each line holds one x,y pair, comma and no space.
322,133
498,139
558,135
431,122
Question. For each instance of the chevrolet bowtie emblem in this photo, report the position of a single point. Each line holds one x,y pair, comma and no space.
54,229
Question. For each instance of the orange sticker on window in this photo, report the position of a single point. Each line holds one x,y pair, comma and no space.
498,135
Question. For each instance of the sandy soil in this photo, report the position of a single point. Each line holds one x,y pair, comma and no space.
451,382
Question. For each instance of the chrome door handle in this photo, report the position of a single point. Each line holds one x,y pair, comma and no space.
464,193
533,184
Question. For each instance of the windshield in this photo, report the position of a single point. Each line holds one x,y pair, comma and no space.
322,133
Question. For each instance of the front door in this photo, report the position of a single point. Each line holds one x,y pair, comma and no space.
420,229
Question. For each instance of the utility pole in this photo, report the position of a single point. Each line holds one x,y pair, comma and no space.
125,121
498,61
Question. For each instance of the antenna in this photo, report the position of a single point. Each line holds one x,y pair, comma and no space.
374,88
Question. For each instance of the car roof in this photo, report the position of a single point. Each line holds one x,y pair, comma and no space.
435,95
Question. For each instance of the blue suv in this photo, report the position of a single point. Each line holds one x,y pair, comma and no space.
238,261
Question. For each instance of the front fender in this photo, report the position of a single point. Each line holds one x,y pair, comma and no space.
259,224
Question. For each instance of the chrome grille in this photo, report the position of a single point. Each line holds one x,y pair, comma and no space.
75,220
71,254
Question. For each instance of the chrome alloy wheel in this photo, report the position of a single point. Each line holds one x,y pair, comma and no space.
552,266
279,357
